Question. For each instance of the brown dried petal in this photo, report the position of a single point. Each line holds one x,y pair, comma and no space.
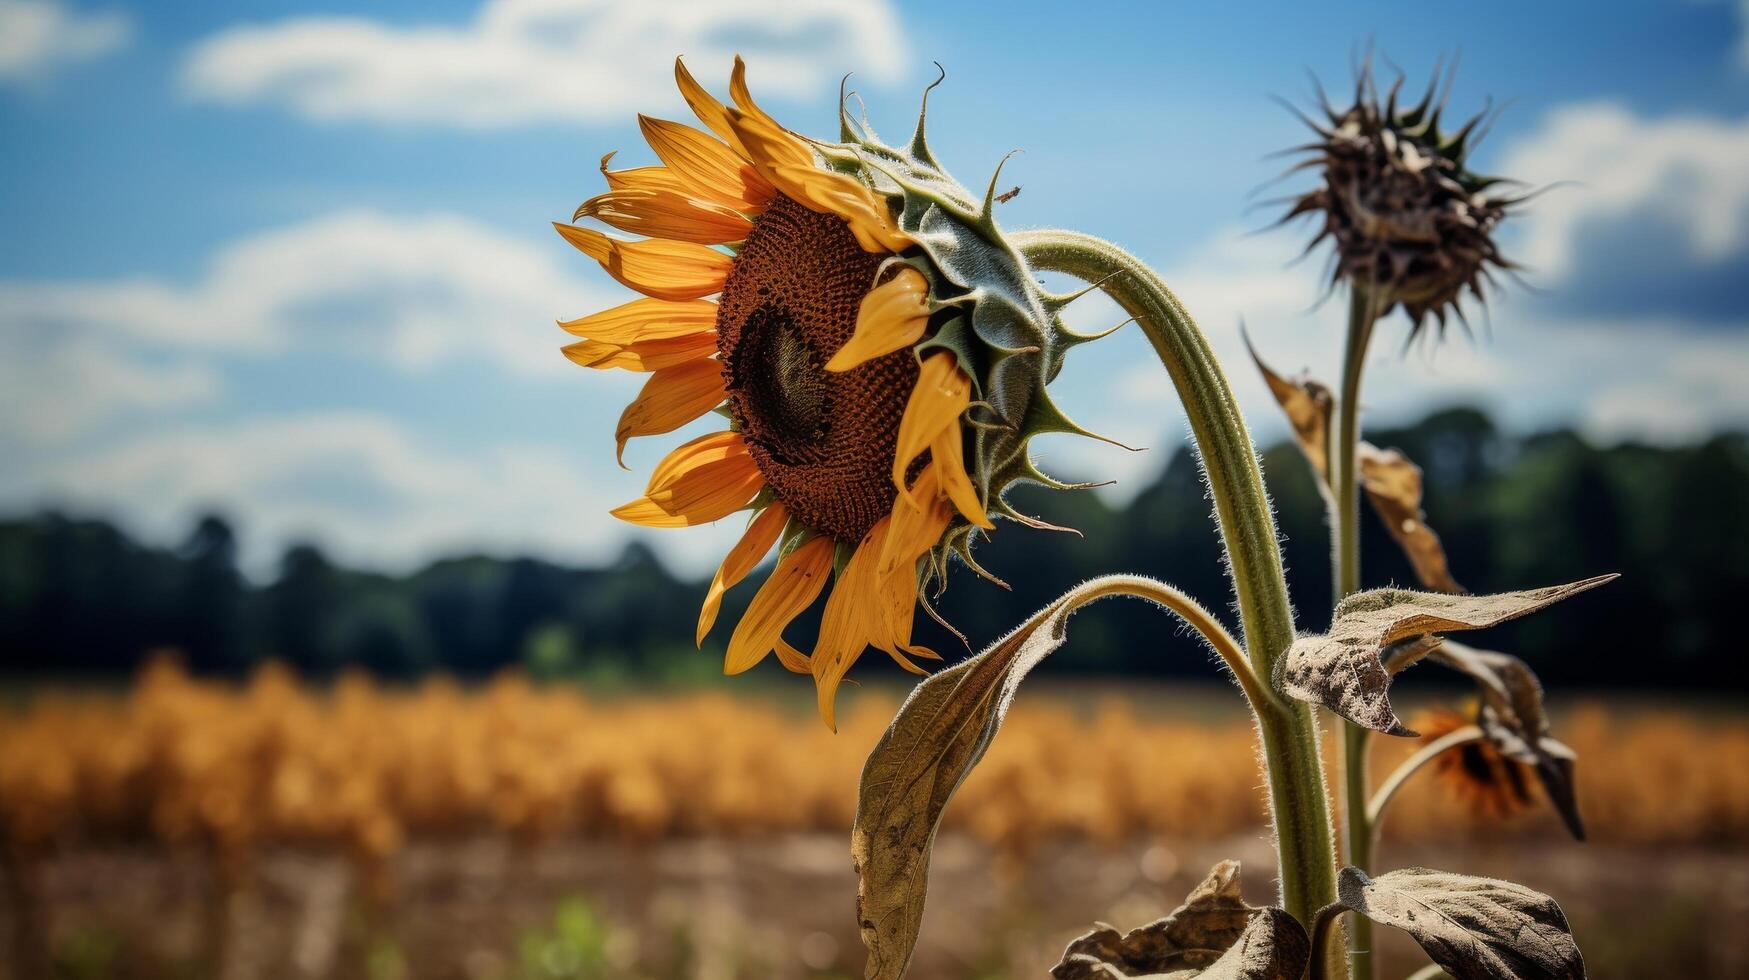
1393,484
1214,935
1514,719
1308,405
1344,669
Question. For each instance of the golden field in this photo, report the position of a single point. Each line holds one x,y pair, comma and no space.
189,825
179,760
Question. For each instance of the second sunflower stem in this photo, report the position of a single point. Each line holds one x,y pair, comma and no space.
1345,574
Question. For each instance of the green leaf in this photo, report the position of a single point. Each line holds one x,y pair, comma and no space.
1214,935
1474,928
1344,670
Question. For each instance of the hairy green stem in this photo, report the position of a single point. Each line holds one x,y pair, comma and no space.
1345,574
1287,729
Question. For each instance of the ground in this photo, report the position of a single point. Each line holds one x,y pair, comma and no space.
781,907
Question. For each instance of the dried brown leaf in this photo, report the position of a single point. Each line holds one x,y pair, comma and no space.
938,735
1308,406
1344,670
1214,935
1474,928
1393,484
1512,717
1391,480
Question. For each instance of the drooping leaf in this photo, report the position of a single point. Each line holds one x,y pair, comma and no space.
1214,935
1308,405
1393,484
1513,718
939,734
1474,928
1344,669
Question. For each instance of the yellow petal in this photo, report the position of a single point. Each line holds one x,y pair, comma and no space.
707,448
655,267
645,355
769,146
943,391
852,620
704,105
671,398
947,456
675,215
641,178
892,317
793,660
704,480
703,494
646,319
706,166
747,553
793,586
915,529
898,608
743,97
788,163
831,192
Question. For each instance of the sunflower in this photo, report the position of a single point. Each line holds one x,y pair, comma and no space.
1476,773
877,348
1411,222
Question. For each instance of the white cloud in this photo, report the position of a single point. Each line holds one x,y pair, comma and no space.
39,36
363,485
63,391
1698,388
1678,180
522,61
414,291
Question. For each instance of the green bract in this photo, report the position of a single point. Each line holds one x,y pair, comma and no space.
1003,327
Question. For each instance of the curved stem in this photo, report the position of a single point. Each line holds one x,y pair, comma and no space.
1375,808
1201,620
1345,576
1326,949
1288,733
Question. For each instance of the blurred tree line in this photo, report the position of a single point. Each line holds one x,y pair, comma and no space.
80,596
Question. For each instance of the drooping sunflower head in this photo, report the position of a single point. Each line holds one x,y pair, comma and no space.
1410,222
879,350
1486,782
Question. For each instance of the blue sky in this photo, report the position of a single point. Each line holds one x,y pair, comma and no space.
292,259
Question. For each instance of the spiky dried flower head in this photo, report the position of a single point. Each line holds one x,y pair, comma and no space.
1409,221
879,349
1486,782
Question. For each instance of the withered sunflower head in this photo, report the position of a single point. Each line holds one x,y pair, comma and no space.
1486,782
878,348
1409,221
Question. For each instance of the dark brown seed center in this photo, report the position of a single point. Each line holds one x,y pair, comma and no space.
823,440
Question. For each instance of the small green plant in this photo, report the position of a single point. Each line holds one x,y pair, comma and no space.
574,947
